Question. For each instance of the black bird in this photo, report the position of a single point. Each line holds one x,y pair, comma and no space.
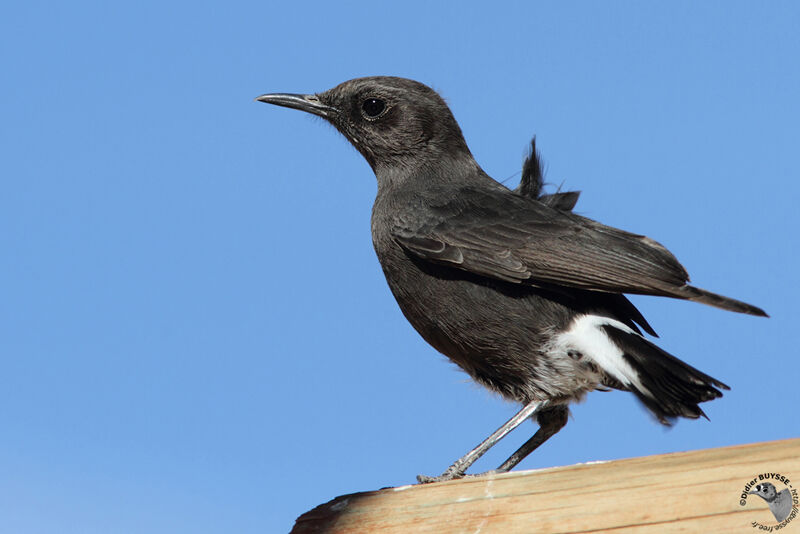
521,293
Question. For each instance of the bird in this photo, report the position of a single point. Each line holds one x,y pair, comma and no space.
780,503
524,295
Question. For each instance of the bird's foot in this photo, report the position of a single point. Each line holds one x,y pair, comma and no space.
425,479
451,475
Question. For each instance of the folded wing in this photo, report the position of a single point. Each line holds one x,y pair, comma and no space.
508,237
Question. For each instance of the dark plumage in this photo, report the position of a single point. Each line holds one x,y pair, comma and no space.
521,293
532,182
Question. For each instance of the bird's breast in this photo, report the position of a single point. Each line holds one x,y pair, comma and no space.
496,331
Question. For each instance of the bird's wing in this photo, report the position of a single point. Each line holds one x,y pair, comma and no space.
507,237
500,235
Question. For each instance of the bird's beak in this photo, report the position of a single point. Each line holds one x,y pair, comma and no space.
309,103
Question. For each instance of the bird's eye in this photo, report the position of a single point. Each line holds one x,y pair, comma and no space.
373,107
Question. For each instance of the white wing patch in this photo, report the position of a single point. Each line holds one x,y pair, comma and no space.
585,336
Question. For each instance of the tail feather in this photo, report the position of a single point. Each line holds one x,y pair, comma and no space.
532,182
564,201
667,386
695,294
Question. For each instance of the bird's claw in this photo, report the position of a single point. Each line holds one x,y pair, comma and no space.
447,475
451,475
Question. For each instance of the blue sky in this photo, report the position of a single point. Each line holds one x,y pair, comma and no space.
195,334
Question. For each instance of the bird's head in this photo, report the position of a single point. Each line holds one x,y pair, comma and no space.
766,491
394,122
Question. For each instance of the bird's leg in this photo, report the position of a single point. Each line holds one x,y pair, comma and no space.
462,464
550,422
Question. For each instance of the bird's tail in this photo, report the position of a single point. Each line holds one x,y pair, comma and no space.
668,387
532,182
696,294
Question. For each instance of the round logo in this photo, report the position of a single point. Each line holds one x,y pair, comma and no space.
776,491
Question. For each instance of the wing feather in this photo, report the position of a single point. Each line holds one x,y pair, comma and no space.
504,236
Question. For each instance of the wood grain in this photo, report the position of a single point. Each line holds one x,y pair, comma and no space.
696,491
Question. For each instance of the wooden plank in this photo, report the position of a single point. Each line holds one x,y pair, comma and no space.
697,491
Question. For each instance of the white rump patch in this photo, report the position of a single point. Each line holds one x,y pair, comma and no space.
586,336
